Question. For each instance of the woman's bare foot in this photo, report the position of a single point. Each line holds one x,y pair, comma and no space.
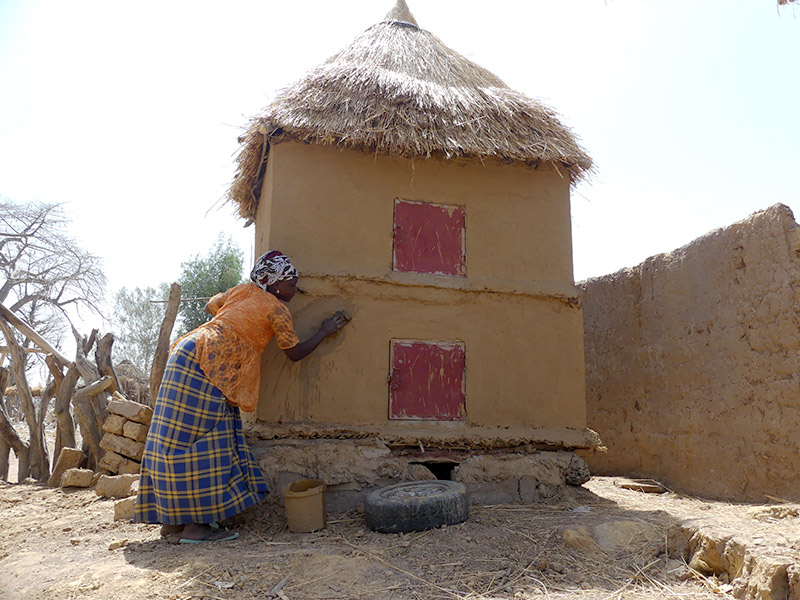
171,529
200,532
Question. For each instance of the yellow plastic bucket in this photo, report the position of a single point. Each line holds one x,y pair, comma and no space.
304,502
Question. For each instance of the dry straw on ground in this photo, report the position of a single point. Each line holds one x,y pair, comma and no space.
398,90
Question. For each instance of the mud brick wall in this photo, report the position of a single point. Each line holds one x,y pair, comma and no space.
692,368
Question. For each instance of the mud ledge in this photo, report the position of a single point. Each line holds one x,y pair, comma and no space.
439,435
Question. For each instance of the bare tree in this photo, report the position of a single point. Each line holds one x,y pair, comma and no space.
42,268
42,273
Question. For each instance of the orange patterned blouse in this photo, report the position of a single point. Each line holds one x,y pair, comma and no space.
229,347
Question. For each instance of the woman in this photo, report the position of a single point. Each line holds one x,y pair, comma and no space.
197,468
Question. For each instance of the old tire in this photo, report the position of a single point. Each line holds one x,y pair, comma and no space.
416,506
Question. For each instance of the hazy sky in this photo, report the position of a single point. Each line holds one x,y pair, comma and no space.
129,112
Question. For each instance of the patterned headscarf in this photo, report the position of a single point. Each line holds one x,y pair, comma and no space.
272,267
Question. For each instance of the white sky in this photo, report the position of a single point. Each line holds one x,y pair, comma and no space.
129,112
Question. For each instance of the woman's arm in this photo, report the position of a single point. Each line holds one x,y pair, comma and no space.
214,304
329,326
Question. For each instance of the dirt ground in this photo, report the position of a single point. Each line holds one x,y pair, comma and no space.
64,544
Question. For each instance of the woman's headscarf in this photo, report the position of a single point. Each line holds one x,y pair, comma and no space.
272,267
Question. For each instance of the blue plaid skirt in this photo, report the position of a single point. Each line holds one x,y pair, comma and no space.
197,466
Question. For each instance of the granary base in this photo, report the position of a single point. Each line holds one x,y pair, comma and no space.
351,468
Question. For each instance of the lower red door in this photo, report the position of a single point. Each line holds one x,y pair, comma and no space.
427,380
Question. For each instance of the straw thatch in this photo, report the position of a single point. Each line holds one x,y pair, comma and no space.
398,90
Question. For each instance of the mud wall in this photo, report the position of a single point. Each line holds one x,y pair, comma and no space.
515,311
692,368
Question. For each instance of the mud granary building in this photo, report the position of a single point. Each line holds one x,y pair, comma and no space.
415,190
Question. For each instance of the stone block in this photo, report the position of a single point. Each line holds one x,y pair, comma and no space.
616,535
116,486
135,431
132,411
68,458
114,424
129,467
579,538
122,445
77,478
116,463
123,509
415,472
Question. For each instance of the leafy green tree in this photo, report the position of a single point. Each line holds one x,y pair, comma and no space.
203,277
137,320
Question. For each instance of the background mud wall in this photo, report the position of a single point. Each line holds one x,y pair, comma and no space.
692,366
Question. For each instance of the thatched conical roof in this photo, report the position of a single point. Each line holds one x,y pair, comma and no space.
398,90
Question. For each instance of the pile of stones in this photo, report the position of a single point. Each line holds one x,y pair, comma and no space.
125,432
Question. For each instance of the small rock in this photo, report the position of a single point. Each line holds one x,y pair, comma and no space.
114,424
541,564
135,431
115,486
77,478
224,585
68,458
131,410
416,472
122,445
615,535
116,463
579,538
123,509
118,544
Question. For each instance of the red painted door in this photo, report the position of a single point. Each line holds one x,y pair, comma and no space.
427,380
429,238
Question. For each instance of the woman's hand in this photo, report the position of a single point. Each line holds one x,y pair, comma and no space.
333,324
329,326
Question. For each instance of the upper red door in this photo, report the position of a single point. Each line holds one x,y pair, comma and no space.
427,380
429,238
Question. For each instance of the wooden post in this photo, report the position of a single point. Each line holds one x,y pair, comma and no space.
162,348
91,434
65,428
5,447
48,393
21,449
90,373
105,365
39,463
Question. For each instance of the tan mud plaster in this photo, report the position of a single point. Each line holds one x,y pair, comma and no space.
516,311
